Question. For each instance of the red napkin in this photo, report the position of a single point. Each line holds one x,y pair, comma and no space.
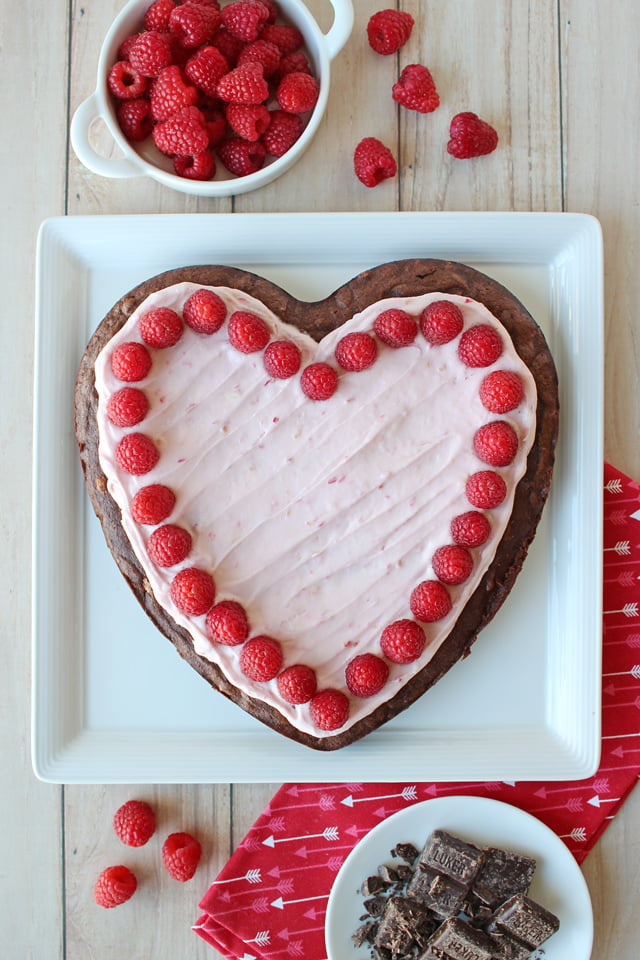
270,899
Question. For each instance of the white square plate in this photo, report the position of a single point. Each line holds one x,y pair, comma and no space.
112,702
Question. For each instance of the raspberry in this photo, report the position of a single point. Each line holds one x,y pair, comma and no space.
227,623
152,504
262,52
245,18
501,391
440,322
416,89
124,82
194,24
496,443
181,855
184,134
170,93
228,45
297,93
403,641
388,30
281,134
130,362
157,15
470,137
430,601
396,328
216,124
136,454
206,68
150,53
485,489
124,49
329,709
242,157
200,167
127,407
297,684
282,359
114,886
193,591
161,327
245,84
247,332
134,117
285,36
480,346
134,822
169,545
319,381
366,675
356,351
204,311
373,162
248,120
470,529
261,659
295,62
452,564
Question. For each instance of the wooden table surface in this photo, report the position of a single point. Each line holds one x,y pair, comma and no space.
560,81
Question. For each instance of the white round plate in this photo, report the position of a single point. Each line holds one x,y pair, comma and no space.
558,883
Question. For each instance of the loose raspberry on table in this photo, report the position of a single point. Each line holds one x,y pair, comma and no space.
262,52
480,346
403,641
366,675
470,529
204,311
134,118
200,167
501,391
373,162
247,332
181,854
485,489
124,82
261,659
245,18
430,601
170,92
127,407
416,89
157,15
152,504
297,93
319,381
281,134
356,351
150,52
329,709
248,120
169,545
205,69
452,564
130,362
297,684
193,591
440,322
496,443
285,36
136,454
282,359
242,157
244,84
227,623
471,137
134,822
396,328
194,24
388,30
160,327
114,886
184,134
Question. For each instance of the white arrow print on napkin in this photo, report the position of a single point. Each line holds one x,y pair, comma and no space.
409,793
629,610
614,486
329,833
261,938
253,876
622,548
579,834
597,801
280,904
634,671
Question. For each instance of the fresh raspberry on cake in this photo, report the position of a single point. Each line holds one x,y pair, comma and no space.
136,454
205,69
227,623
193,23
130,362
501,391
480,346
244,84
262,52
440,322
319,381
242,157
396,328
114,886
248,120
193,591
485,489
200,167
245,18
127,407
247,332
297,93
430,601
403,641
160,327
496,443
282,359
366,675
153,504
471,137
124,82
356,351
134,118
170,92
261,659
157,15
470,529
416,89
181,854
183,134
134,822
169,545
329,709
373,162
285,36
452,564
297,684
283,131
388,30
150,52
204,311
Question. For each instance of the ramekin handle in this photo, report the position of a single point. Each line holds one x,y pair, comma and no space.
118,167
340,28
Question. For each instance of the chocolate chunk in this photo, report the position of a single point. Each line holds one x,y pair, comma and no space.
453,857
420,884
406,852
458,940
404,927
372,885
375,905
404,872
502,874
446,897
387,873
526,920
477,910
365,933
508,948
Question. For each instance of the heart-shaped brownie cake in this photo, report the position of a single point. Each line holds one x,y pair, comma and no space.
319,504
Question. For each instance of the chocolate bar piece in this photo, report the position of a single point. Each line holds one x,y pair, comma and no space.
406,852
525,920
404,927
420,884
502,874
372,885
453,857
365,933
507,948
455,939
